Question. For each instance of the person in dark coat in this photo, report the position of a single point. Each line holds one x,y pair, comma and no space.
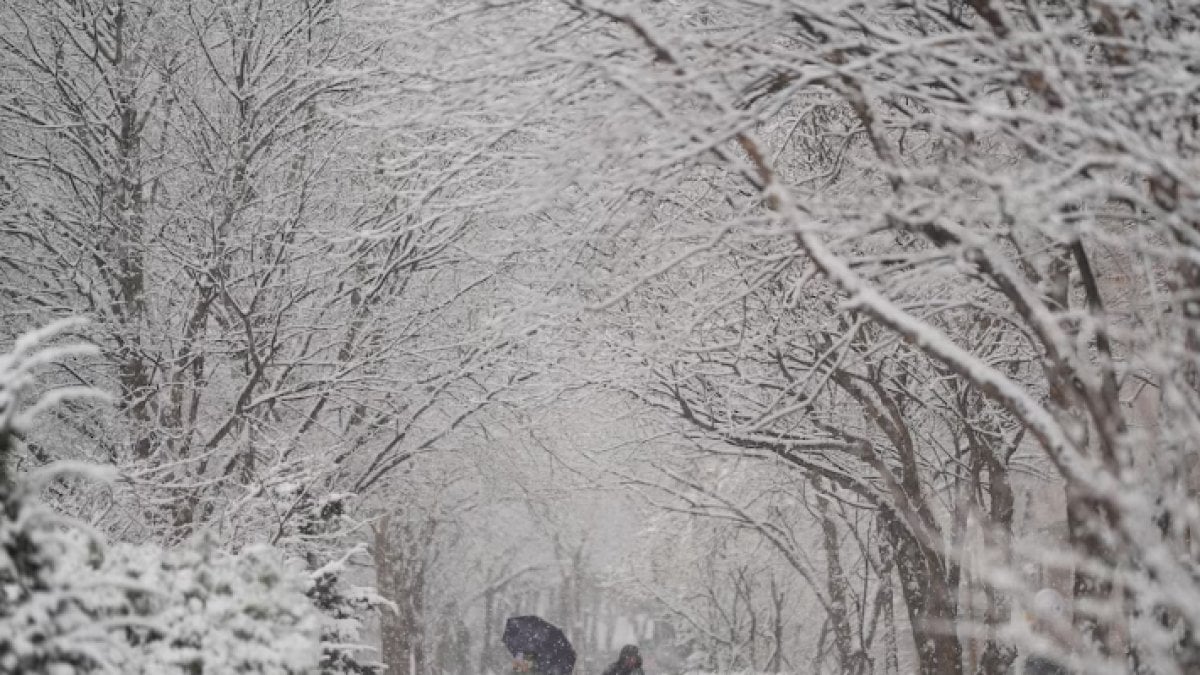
526,663
629,662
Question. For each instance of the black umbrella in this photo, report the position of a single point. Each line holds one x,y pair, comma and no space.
533,635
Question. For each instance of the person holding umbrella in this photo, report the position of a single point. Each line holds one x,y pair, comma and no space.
526,663
629,662
538,647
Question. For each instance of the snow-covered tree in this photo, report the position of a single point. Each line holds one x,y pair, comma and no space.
894,246
985,202
270,291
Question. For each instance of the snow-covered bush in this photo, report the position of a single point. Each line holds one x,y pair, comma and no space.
48,610
72,603
46,624
139,609
317,533
341,607
201,609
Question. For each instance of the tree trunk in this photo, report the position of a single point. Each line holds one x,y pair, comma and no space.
778,598
932,611
851,661
400,578
997,657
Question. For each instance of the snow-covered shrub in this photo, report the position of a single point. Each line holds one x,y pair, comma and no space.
203,610
341,606
48,610
71,603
